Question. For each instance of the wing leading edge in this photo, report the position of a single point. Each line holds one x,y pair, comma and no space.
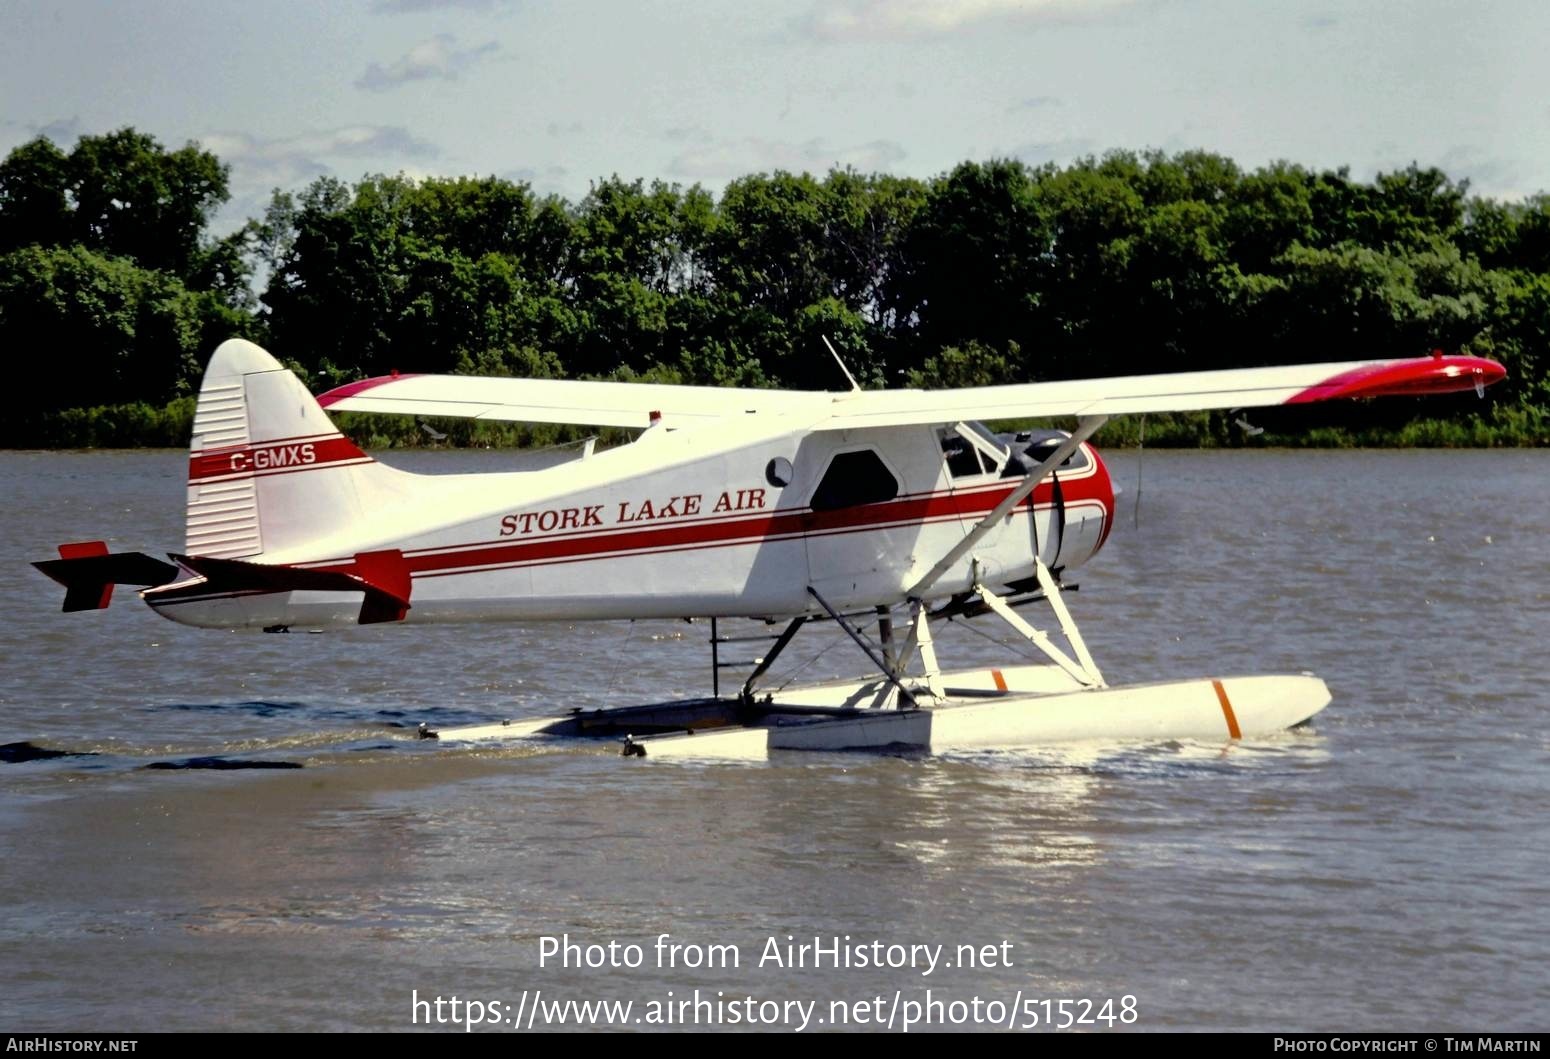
639,404
581,403
1182,392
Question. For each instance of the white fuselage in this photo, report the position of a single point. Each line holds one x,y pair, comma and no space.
720,519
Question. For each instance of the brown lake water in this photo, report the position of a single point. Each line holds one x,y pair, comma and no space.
1387,869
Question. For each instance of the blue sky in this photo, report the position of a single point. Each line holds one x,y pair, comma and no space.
559,94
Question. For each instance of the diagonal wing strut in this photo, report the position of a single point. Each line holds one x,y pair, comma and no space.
1085,427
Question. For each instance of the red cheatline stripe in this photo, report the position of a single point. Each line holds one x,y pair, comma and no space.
737,529
273,457
969,505
912,508
635,552
1232,718
778,524
603,546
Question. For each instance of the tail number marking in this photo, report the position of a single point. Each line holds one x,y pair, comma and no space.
276,456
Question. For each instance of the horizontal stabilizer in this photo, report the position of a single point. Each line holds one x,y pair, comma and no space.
89,571
383,576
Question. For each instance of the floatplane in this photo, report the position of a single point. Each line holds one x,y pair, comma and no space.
883,512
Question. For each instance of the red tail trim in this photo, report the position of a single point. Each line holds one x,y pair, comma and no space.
79,597
388,574
89,572
384,576
273,457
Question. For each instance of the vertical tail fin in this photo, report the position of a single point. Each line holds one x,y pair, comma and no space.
267,468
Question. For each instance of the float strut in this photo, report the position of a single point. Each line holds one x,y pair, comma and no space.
746,695
1082,668
906,700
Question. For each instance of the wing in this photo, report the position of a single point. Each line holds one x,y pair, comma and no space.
1182,392
637,404
604,404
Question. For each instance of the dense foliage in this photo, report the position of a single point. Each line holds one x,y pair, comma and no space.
996,271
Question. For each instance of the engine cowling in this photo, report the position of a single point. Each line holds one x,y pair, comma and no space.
1079,497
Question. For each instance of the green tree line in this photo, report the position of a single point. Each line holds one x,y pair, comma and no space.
113,290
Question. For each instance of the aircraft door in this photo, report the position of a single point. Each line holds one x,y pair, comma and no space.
866,508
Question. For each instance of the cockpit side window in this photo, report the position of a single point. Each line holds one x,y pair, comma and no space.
969,450
962,458
854,478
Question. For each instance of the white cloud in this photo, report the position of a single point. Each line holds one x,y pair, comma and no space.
63,131
436,59
841,20
726,159
1061,151
688,134
1036,103
307,154
1488,175
259,165
544,180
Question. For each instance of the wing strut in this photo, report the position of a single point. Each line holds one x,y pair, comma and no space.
1085,427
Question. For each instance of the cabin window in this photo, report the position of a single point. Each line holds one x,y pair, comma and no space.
855,478
778,472
963,459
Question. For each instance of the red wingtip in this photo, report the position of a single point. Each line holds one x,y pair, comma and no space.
350,389
1413,378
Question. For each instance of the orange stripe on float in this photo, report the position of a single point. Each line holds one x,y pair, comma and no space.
995,674
1232,718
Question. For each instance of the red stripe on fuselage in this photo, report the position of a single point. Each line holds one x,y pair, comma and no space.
777,525
1089,483
1093,486
632,552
